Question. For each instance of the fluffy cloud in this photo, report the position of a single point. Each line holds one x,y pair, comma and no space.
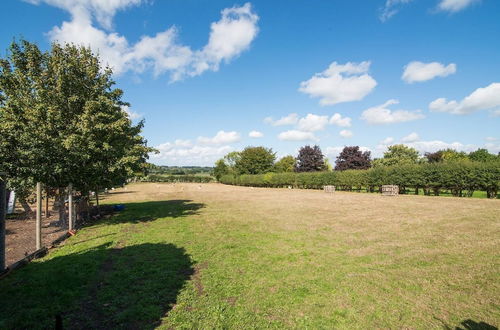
312,123
162,53
340,83
345,133
295,135
187,154
132,115
412,137
220,138
455,5
381,114
387,141
338,120
291,119
417,71
391,8
255,134
481,99
433,146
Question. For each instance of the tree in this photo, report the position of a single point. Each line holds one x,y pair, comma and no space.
285,164
310,159
482,155
255,160
351,158
398,154
451,155
231,158
61,121
220,169
434,157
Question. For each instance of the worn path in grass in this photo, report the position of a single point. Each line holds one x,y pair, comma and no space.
214,256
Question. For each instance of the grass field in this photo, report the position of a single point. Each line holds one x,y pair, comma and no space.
214,256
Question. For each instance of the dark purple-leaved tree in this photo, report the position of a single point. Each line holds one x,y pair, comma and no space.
351,158
310,159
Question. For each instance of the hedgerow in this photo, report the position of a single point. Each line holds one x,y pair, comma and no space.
461,178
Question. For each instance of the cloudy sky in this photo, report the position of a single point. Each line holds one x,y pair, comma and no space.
212,76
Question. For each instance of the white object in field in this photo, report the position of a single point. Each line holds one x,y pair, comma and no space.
12,202
289,187
329,189
390,190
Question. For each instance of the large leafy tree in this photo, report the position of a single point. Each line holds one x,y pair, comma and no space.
351,158
255,160
482,155
398,154
310,159
285,164
61,120
220,169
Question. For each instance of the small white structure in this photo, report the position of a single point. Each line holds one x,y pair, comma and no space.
329,189
390,190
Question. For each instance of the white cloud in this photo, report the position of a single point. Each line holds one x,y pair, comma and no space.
391,8
340,83
412,137
221,137
381,114
455,5
228,38
340,121
491,138
417,71
312,123
345,133
495,113
294,135
433,146
494,148
291,119
387,141
132,115
481,99
255,134
179,154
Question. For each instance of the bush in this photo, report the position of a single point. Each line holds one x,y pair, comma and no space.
177,178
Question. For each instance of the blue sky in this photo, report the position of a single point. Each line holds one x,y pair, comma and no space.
205,73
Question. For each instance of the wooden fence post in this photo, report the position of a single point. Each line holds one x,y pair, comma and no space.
71,220
38,215
3,212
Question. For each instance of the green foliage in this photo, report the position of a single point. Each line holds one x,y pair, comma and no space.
451,155
220,169
461,178
482,155
255,160
285,164
398,154
61,121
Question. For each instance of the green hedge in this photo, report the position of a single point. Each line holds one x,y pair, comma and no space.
460,178
177,178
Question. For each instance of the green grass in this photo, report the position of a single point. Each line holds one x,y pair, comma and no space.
241,258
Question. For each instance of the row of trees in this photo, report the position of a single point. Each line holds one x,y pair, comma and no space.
460,178
260,160
61,122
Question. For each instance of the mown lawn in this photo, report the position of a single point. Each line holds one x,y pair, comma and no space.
214,256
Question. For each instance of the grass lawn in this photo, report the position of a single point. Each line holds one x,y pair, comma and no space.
214,256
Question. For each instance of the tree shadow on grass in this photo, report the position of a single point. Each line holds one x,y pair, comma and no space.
101,288
149,211
473,325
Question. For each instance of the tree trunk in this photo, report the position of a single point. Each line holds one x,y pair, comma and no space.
25,205
61,207
47,212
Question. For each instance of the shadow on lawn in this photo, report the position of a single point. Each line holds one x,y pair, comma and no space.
149,211
101,288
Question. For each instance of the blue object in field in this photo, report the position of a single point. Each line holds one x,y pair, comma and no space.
119,207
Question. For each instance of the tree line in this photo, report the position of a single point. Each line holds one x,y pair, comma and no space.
62,121
458,172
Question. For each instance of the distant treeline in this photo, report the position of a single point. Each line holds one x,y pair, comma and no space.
179,170
176,178
461,178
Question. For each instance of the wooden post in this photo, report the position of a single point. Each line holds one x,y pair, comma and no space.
3,212
71,221
47,212
38,216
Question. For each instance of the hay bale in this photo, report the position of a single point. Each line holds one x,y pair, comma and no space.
390,190
329,189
